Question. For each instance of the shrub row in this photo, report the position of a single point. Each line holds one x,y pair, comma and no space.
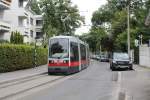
16,57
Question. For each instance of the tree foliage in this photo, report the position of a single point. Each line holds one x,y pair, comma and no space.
113,18
34,5
60,17
16,38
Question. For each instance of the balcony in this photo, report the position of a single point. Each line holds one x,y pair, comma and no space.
38,22
4,26
5,4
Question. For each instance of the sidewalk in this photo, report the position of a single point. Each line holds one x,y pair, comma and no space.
6,77
140,68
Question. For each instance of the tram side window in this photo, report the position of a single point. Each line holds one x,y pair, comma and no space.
83,52
74,53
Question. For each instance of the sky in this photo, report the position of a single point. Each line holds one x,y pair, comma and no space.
86,8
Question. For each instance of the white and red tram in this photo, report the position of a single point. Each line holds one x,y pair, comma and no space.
67,54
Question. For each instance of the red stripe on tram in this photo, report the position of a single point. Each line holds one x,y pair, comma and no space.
58,64
83,62
72,64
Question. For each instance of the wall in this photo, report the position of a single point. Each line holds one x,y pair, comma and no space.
144,56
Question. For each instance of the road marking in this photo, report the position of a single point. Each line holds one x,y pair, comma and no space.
119,77
122,95
116,76
128,97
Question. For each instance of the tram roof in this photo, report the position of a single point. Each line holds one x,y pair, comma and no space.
62,36
72,38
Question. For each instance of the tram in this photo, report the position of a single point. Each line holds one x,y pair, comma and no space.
67,54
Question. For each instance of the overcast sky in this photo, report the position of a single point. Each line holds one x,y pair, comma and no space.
86,8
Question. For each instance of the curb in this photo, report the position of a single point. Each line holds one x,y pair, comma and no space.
146,67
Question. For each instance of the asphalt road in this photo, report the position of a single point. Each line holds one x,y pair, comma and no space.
98,82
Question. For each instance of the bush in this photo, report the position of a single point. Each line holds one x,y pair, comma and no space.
16,57
16,38
4,41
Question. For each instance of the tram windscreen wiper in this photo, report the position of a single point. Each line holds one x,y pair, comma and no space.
60,55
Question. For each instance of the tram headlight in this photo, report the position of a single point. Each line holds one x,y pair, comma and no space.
65,61
51,61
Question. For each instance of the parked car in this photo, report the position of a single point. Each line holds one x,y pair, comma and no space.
104,58
94,57
120,60
97,57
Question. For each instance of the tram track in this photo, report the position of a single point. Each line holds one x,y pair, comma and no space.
19,86
17,79
20,80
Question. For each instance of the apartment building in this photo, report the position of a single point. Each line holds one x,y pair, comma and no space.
24,20
4,23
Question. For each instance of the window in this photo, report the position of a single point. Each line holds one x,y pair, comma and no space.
74,52
83,52
31,33
59,48
20,3
20,21
31,21
39,22
39,34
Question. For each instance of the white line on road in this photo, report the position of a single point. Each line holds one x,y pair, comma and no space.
119,77
122,94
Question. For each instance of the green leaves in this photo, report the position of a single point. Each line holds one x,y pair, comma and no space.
35,7
114,14
16,38
15,57
60,16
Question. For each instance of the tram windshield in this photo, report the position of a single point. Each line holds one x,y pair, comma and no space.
59,48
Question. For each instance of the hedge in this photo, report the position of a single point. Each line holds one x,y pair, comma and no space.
15,57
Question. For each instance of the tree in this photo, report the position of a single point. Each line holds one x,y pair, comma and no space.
113,17
60,17
94,38
16,38
34,4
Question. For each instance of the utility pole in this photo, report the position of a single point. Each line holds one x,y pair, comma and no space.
128,28
100,48
35,53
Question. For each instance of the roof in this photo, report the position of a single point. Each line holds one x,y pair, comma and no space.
72,38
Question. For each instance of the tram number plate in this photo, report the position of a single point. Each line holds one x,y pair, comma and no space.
58,61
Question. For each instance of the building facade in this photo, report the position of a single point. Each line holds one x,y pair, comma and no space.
24,20
5,25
